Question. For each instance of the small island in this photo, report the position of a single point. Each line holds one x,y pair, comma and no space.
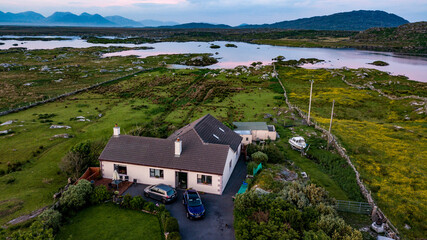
214,46
200,61
231,45
379,63
1,43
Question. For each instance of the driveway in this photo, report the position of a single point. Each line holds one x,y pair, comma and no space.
218,222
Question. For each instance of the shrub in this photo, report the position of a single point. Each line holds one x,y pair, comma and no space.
164,215
251,149
259,157
99,195
126,201
9,179
274,154
36,231
251,166
149,206
51,219
312,235
174,236
171,225
137,203
76,196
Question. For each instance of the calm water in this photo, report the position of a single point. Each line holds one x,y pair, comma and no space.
415,68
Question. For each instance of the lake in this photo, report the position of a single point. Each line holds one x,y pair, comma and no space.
415,68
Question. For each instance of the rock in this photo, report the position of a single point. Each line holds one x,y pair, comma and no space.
274,120
64,135
267,115
59,126
45,69
5,131
59,80
407,226
7,123
103,70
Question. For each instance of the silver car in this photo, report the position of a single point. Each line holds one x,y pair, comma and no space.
161,192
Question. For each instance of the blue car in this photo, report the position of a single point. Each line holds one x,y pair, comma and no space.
193,204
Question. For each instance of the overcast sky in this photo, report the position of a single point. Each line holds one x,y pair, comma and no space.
233,12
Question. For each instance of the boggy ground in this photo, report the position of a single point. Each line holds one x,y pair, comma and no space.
374,129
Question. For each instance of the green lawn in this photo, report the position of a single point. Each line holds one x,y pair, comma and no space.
111,222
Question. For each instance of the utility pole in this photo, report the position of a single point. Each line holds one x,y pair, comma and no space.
330,123
309,105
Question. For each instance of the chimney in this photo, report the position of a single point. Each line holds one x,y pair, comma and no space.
178,147
116,131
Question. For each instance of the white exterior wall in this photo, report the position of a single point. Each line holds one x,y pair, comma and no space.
246,142
142,174
263,135
234,157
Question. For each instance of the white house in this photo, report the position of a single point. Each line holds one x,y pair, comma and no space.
255,131
201,156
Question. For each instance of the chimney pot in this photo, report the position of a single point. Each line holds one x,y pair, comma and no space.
116,131
178,147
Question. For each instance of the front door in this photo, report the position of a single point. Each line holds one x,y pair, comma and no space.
181,178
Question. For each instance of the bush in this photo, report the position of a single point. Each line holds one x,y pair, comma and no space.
126,201
174,236
51,219
164,215
259,157
36,231
137,203
274,154
171,225
76,196
251,166
99,195
149,206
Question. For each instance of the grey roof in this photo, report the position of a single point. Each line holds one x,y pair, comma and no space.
210,130
243,132
250,126
197,154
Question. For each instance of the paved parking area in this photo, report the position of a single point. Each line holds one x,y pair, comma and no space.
218,222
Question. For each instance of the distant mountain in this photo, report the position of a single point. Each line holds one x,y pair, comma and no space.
355,20
155,23
23,17
125,22
197,25
84,19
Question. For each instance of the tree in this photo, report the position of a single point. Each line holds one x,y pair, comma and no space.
80,157
259,157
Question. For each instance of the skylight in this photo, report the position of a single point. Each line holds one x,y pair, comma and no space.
221,129
215,136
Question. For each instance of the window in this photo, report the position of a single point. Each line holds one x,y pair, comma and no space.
247,139
204,179
231,162
121,169
157,173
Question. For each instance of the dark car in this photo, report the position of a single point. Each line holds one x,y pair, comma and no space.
193,204
161,192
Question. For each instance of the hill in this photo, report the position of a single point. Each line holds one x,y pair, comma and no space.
121,21
197,25
84,19
411,37
354,20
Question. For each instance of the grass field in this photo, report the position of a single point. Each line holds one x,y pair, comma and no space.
158,102
111,222
385,138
